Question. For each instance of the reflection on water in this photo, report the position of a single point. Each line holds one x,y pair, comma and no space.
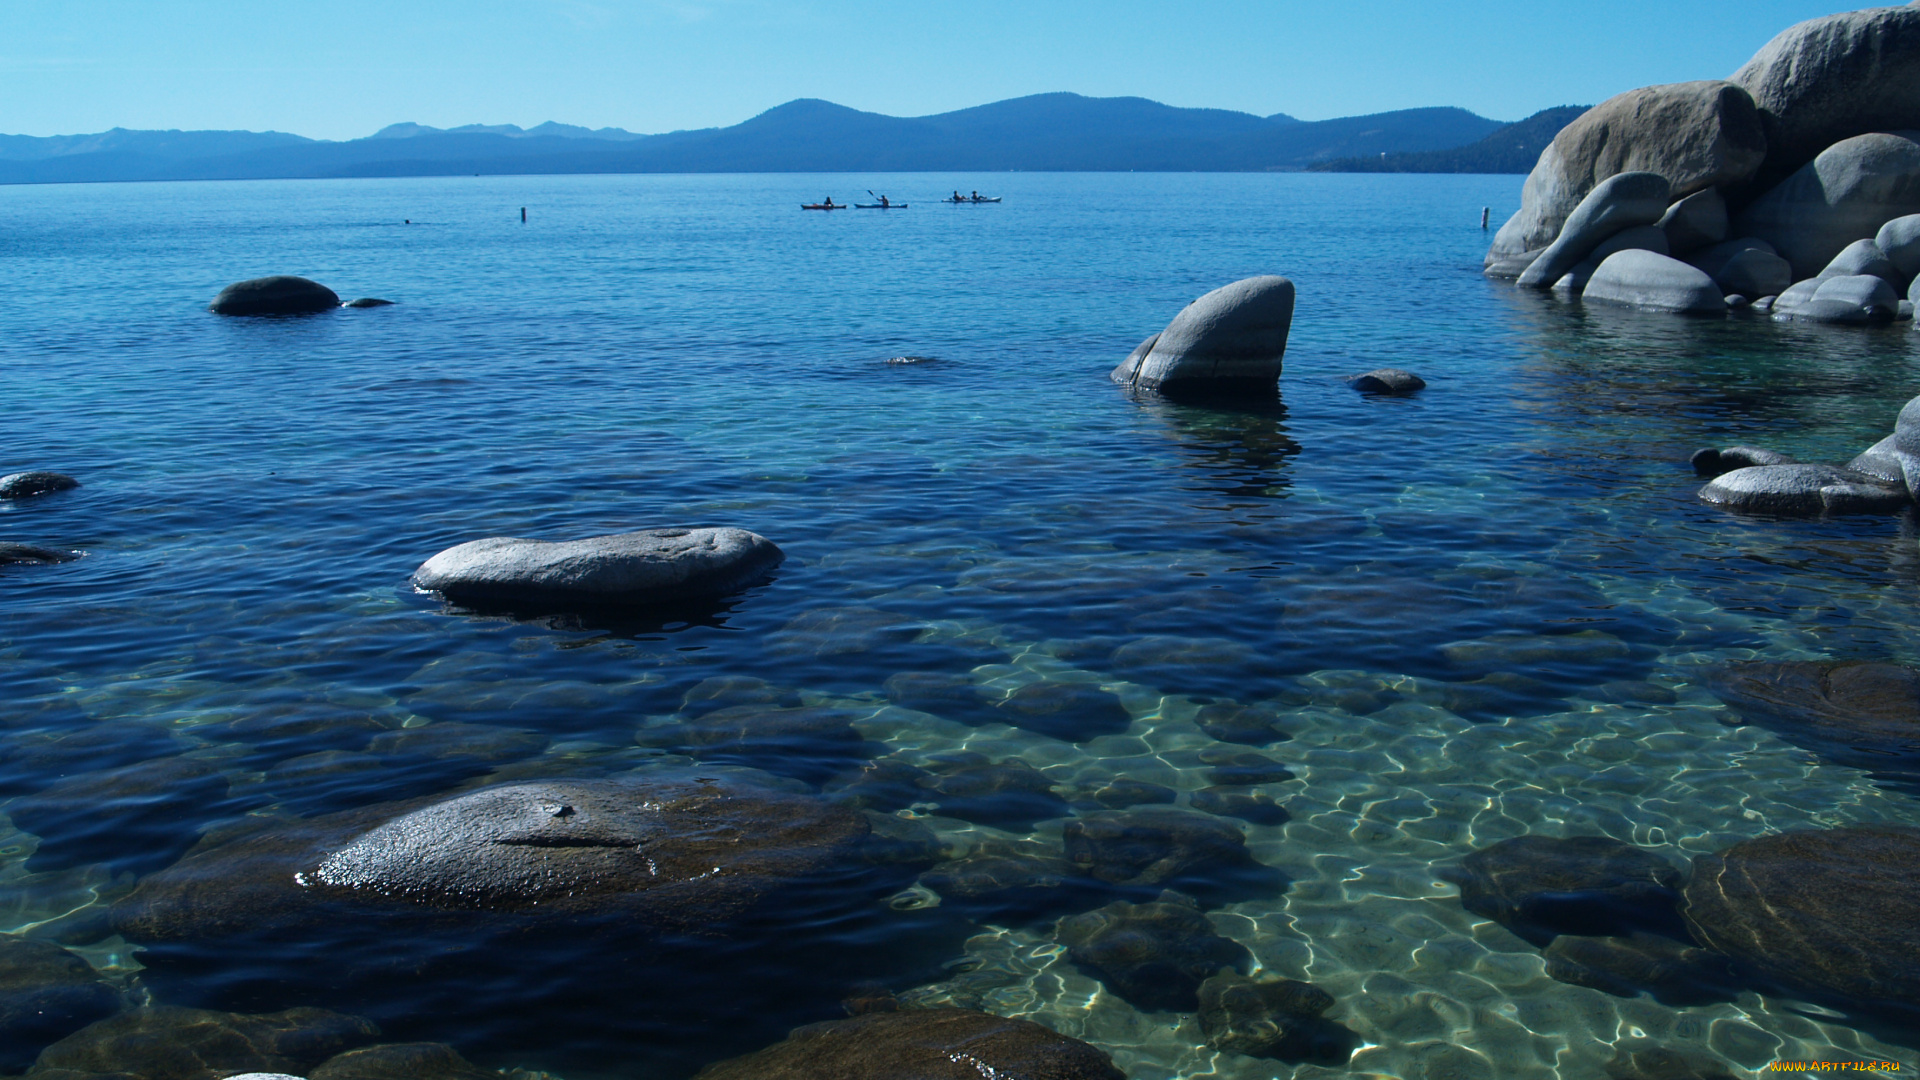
1056,647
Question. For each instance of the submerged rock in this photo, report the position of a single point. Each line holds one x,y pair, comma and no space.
46,993
1273,1018
1803,491
1387,381
638,568
171,1043
23,485
1229,342
950,697
281,294
1154,955
402,1061
1008,794
1673,972
1711,462
29,555
1541,886
925,1044
1156,847
367,302
1121,793
1833,912
1020,880
1246,804
1862,714
1252,725
1071,712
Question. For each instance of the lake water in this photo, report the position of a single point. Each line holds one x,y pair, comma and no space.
1481,612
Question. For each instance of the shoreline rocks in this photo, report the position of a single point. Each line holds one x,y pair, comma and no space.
629,569
1618,203
1803,491
1229,343
1643,279
280,294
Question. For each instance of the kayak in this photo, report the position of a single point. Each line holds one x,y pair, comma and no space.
957,202
823,206
879,206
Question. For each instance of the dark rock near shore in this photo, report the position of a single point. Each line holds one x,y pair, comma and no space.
1273,1018
170,1043
1387,381
281,294
1230,342
46,993
1541,886
1860,714
29,555
367,302
1803,491
401,1061
655,566
1711,462
1155,955
1834,913
23,485
924,1044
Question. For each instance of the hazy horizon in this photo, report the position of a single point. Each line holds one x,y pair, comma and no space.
653,66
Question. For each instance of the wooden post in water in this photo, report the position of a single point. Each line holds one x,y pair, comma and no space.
1484,211
523,215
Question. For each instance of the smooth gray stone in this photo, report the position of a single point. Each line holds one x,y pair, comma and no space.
1900,240
21,485
1696,134
1695,222
1387,381
1643,279
1845,194
1803,491
1735,301
1230,341
1755,273
1905,311
281,294
1794,296
1906,443
652,566
1913,289
15,554
1854,298
1508,267
1832,78
1864,257
1616,203
1712,462
368,301
1881,460
1638,238
1765,303
1713,259
1131,365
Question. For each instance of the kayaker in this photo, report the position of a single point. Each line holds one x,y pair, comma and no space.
976,196
883,200
827,202
957,198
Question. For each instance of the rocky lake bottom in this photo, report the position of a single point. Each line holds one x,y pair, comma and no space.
1369,634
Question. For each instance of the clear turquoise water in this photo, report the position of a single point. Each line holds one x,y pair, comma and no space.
696,350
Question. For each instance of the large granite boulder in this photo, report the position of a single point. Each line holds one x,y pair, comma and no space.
1642,279
1616,203
1858,713
1845,194
1899,240
1834,913
1755,273
1695,134
1832,78
1542,886
1850,298
668,850
631,569
172,1043
1695,222
23,485
1154,955
1803,491
1229,342
1713,259
281,294
1638,238
925,1044
1864,257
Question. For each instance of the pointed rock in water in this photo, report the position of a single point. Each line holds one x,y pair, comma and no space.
1154,955
1387,381
1273,1018
1616,203
633,569
1711,462
1829,79
21,554
1698,135
925,1044
1803,491
1228,343
22,485
1642,279
1834,913
1845,194
1540,886
170,1043
281,294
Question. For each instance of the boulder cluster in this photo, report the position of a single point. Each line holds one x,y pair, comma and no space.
1883,479
1792,187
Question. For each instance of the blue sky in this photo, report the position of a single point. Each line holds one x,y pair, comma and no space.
344,68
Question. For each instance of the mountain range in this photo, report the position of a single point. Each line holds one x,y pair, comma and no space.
1045,132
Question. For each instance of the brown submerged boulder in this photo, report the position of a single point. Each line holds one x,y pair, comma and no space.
1832,912
170,1043
924,1044
1155,955
1858,713
402,1061
1541,886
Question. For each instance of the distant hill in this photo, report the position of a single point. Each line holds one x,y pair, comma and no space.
1044,132
1512,149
